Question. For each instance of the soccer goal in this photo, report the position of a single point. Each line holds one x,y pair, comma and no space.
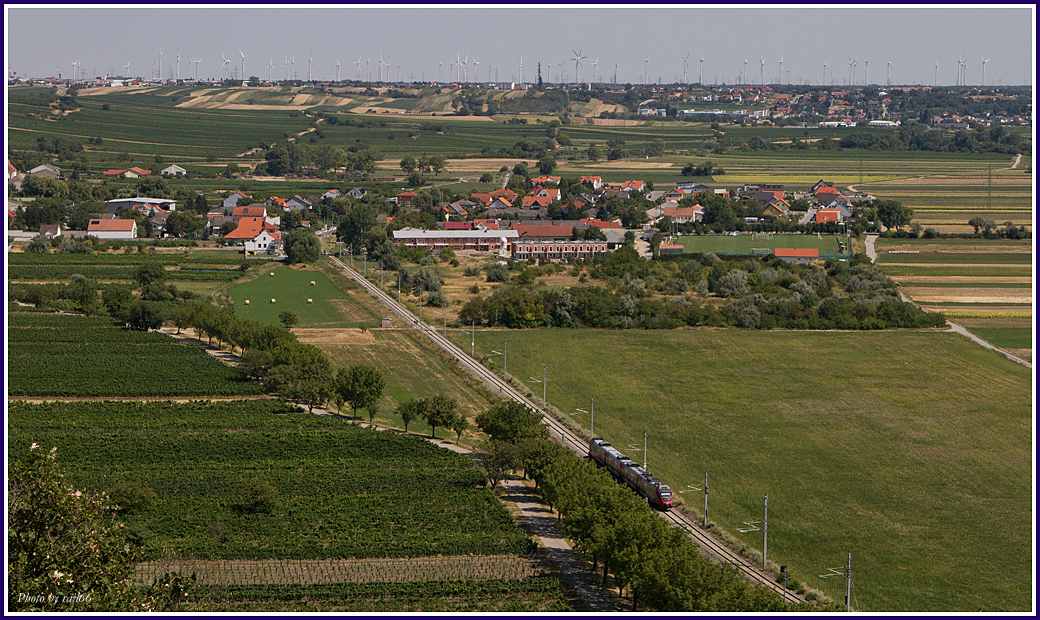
764,235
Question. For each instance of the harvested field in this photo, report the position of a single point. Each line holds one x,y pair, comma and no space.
348,570
969,295
334,336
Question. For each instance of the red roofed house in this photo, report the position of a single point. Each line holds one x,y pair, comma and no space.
112,229
406,198
827,215
113,172
596,182
637,186
267,242
535,202
797,255
552,194
485,199
500,203
826,194
683,215
136,173
249,211
777,207
508,194
546,179
600,223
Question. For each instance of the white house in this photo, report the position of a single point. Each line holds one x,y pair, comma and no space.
174,171
267,242
112,229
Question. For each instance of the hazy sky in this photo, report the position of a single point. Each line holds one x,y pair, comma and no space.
42,41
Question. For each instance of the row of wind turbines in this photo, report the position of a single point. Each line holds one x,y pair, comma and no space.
461,66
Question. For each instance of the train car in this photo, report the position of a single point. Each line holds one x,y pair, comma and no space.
657,493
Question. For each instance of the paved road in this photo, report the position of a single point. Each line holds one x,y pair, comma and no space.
955,328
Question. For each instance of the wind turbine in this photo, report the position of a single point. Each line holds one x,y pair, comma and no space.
380,68
337,69
75,63
646,73
984,61
197,61
595,70
285,69
243,64
762,70
440,65
310,59
577,65
458,66
475,63
292,68
465,69
888,80
160,63
744,76
270,67
937,72
684,67
851,62
358,64
126,69
700,80
780,78
615,73
178,66
866,67
824,82
521,81
398,72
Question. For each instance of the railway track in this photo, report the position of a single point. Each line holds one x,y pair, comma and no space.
566,436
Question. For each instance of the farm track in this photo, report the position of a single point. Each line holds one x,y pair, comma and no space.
709,544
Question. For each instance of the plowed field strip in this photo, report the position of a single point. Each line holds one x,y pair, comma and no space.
349,570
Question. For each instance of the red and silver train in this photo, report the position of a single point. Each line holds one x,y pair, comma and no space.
641,481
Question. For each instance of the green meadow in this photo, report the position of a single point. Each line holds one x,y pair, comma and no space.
910,450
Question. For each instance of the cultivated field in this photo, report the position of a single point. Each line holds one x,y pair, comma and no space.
74,356
886,444
343,494
291,289
989,281
747,244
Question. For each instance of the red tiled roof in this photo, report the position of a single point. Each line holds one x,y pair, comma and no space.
600,223
141,171
248,228
798,252
536,201
537,231
108,225
249,211
113,172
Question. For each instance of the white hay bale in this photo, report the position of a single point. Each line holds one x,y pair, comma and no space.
312,282
272,274
247,302
309,300
272,300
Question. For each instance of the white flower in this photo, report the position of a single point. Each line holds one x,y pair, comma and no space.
58,574
34,446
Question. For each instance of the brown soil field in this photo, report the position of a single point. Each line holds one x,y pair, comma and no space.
965,279
944,180
978,308
241,572
346,335
970,295
1026,354
638,165
995,322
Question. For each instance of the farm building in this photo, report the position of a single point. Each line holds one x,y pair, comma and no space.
46,171
547,249
116,204
798,255
174,171
481,239
112,229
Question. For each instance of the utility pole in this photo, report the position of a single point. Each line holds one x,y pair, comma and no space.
690,487
847,573
472,338
753,525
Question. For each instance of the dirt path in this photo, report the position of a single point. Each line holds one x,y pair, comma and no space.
1014,165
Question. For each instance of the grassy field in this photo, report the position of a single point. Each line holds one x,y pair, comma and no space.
893,461
291,288
744,244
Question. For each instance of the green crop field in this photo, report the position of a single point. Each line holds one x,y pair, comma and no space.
67,355
966,258
344,491
924,269
744,244
887,445
291,288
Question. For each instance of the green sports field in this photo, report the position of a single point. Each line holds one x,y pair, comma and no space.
748,244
